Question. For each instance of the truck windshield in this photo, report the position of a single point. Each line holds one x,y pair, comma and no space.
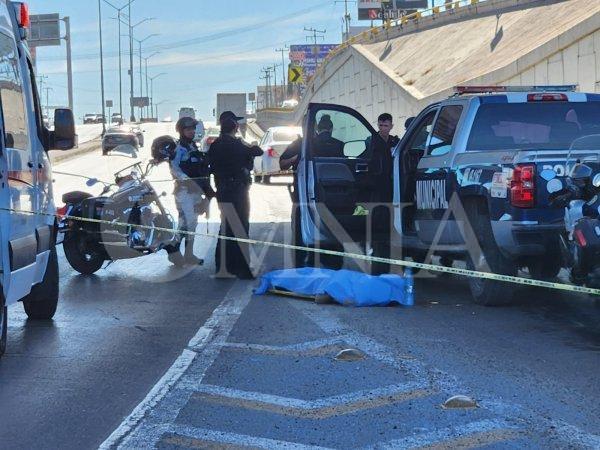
542,125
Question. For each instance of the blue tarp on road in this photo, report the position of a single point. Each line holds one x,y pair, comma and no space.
346,287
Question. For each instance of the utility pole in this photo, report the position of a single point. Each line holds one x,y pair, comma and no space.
283,50
48,89
41,80
67,21
315,36
276,100
347,17
267,79
101,67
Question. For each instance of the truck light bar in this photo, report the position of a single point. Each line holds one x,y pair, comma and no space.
460,90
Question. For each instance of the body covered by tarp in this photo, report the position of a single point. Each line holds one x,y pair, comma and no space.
344,286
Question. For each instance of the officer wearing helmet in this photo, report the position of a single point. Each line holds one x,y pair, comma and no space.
190,170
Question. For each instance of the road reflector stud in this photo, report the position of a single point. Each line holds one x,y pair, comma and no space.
460,402
350,355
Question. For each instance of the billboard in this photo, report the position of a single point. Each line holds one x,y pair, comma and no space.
391,9
308,57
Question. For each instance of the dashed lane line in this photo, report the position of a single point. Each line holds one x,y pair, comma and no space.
313,409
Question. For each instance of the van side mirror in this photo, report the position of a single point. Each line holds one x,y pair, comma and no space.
63,137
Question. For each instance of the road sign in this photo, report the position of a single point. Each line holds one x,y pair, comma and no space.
45,30
252,96
390,9
295,74
309,56
109,103
140,102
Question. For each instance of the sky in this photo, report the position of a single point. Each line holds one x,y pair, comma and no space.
206,46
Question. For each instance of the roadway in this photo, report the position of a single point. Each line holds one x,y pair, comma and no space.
154,356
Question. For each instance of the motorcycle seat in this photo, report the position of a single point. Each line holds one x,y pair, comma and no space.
75,197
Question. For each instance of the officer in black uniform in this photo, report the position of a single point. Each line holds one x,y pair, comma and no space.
231,161
193,191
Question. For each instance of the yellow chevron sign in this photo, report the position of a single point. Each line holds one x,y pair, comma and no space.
296,74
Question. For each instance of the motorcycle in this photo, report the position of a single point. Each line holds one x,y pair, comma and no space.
580,243
121,225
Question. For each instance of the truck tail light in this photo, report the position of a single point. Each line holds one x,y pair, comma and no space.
272,153
522,186
22,10
547,98
62,211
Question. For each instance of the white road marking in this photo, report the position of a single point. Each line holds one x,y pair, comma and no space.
241,440
445,434
317,409
442,381
302,348
216,330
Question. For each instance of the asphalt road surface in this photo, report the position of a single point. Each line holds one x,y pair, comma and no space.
144,355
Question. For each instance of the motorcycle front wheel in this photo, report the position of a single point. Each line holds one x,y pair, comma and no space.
81,258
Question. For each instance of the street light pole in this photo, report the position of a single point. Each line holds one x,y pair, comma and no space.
140,42
132,117
146,69
152,92
101,66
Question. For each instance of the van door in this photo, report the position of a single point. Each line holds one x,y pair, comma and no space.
337,174
19,193
436,181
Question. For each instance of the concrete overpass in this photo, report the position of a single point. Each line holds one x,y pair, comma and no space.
400,69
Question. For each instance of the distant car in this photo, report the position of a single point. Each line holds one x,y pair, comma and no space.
116,118
90,118
290,103
167,119
140,135
210,135
117,137
274,143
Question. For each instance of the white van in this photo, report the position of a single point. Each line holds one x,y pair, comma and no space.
28,261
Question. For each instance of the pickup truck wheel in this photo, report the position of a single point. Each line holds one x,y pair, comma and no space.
80,257
488,292
3,327
41,302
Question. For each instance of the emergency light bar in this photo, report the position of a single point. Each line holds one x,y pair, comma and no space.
460,90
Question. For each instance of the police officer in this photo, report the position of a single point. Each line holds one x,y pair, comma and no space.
193,191
231,161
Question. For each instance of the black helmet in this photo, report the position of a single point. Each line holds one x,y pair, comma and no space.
185,122
163,148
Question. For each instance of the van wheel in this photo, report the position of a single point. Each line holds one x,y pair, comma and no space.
80,257
266,179
258,179
488,292
3,327
41,303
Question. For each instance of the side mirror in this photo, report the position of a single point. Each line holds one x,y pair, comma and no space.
91,182
63,137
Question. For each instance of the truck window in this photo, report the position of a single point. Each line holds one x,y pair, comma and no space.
348,133
537,125
418,140
11,96
444,130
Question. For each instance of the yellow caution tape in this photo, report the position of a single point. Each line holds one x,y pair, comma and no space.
356,256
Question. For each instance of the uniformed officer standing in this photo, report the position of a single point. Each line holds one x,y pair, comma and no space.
231,161
193,191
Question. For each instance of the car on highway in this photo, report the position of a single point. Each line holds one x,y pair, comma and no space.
480,157
122,139
289,103
211,133
28,257
139,133
116,118
90,118
274,143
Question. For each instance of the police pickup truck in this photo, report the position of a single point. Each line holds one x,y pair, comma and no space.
468,181
28,261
